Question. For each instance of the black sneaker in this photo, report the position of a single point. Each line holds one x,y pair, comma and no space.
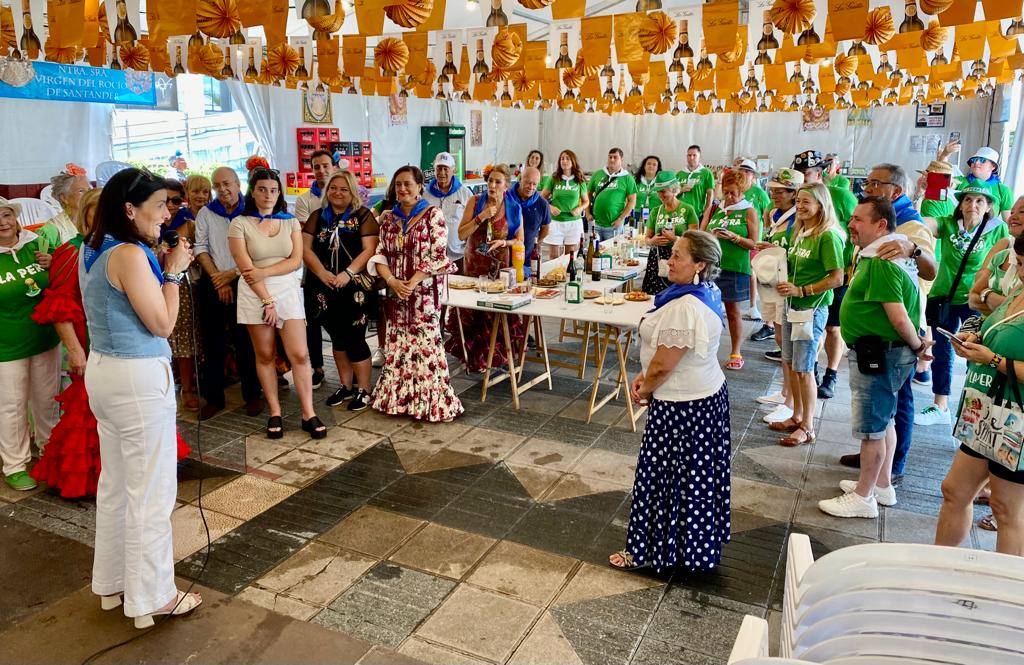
340,396
318,378
775,354
827,389
360,401
763,333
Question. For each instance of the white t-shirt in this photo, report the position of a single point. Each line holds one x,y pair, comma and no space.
452,206
685,323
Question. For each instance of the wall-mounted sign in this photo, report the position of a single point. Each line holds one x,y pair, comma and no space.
931,115
71,83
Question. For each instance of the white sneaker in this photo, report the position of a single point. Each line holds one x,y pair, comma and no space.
377,359
752,314
778,414
774,398
885,496
932,415
850,505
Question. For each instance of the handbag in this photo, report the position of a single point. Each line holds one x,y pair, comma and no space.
362,279
801,322
992,424
936,311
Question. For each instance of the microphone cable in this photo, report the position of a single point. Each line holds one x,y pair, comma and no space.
172,239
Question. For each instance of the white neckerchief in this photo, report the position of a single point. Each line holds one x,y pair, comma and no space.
693,172
742,204
908,266
65,227
991,224
780,224
617,174
1009,280
24,238
567,178
645,181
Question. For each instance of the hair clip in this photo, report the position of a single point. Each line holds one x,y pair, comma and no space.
73,169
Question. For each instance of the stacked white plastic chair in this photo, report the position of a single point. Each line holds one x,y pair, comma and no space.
894,604
34,211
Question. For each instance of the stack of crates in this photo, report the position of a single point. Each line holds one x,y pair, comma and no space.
308,140
359,155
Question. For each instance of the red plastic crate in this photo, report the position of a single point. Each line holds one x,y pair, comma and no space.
335,134
305,166
291,180
306,180
305,135
367,147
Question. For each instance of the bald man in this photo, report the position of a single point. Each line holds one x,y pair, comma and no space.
536,212
216,293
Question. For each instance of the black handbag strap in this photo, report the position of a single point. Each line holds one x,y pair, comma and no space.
593,201
963,262
1007,383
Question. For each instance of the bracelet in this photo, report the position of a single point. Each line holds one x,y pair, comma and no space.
349,273
996,360
173,278
268,304
268,301
985,294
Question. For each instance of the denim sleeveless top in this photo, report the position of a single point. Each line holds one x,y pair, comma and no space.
114,327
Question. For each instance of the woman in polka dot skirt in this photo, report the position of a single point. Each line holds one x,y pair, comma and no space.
680,513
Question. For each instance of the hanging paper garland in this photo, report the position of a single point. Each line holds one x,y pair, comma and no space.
845,65
282,61
935,7
410,13
934,36
328,23
134,57
792,16
506,49
657,33
391,55
218,18
880,27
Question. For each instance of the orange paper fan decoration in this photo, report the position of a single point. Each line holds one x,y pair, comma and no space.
845,65
499,74
572,79
428,75
880,27
282,60
218,18
391,55
410,13
582,68
134,57
522,83
506,49
792,16
934,7
734,55
934,36
211,58
535,4
266,77
329,23
8,38
64,56
843,87
657,33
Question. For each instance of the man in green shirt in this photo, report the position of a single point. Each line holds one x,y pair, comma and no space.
831,174
878,319
812,165
696,182
613,196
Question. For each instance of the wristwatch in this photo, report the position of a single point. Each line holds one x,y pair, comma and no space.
173,277
917,251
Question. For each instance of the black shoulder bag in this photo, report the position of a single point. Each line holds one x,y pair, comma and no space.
590,208
936,310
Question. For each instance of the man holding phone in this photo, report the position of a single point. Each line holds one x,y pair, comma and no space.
879,321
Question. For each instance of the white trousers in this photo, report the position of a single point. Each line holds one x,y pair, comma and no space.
27,384
133,400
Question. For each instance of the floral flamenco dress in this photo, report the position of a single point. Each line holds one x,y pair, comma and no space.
71,460
414,380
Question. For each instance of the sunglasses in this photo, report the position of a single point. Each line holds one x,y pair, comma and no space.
175,200
144,174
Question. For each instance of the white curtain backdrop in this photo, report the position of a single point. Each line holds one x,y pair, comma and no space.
256,102
39,138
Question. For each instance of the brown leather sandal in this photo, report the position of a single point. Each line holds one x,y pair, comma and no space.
788,425
800,436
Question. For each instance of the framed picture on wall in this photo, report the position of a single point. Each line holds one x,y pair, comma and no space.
931,115
316,107
476,128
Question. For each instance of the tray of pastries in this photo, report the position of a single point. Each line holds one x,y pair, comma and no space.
637,296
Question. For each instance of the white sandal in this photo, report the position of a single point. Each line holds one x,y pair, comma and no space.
183,604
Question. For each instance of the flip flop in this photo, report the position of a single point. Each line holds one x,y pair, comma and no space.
735,362
988,523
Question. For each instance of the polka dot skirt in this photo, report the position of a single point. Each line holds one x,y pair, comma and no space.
680,512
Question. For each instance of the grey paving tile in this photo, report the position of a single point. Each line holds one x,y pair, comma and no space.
567,430
606,630
559,531
620,441
484,512
49,523
656,652
515,422
699,622
417,497
386,605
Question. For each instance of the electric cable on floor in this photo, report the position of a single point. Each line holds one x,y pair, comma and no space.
161,620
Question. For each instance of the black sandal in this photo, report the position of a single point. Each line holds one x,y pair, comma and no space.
315,427
275,427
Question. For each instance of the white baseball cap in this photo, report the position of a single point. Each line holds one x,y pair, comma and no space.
986,153
444,159
748,165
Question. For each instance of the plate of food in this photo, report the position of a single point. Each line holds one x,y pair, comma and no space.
495,287
590,293
637,296
520,288
557,274
545,294
615,300
632,262
461,284
546,282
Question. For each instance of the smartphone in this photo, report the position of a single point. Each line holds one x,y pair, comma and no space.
954,136
953,338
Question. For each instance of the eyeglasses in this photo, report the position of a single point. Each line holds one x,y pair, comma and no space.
144,173
175,200
876,183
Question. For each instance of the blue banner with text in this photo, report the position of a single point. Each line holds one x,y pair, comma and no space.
71,83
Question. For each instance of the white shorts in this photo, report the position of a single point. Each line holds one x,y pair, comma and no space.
564,233
287,291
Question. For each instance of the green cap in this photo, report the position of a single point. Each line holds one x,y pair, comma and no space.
665,184
976,190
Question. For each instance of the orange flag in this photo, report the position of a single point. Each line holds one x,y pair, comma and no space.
353,54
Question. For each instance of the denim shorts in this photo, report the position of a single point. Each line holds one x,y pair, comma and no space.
874,396
801,353
735,286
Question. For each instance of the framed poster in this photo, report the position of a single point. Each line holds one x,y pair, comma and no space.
476,128
931,115
316,107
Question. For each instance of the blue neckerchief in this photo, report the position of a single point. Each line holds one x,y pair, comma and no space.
217,208
89,255
905,210
513,211
420,206
184,215
315,190
332,218
281,214
705,292
789,222
973,179
436,191
528,202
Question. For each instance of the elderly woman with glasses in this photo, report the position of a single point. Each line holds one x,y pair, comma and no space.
68,186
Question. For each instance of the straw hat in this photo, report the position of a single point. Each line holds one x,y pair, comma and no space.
16,207
936,166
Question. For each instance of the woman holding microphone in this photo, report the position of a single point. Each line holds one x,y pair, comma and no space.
131,305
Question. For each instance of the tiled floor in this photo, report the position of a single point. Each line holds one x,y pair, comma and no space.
479,541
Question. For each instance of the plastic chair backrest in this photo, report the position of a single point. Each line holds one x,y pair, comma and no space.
752,640
34,211
46,196
941,651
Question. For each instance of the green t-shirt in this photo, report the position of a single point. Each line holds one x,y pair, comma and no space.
700,182
1000,278
612,200
734,257
1006,339
759,198
938,209
681,219
780,237
844,202
837,181
646,197
953,242
566,196
21,285
1003,194
876,281
811,259
544,184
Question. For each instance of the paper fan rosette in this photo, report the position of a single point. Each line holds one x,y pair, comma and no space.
211,59
535,4
845,65
428,75
410,13
8,38
499,74
282,60
792,16
63,56
734,55
572,79
328,23
522,83
581,67
506,49
934,36
934,7
134,57
657,33
880,27
266,77
391,55
218,18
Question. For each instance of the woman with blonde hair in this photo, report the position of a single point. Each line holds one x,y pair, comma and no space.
197,192
815,258
566,191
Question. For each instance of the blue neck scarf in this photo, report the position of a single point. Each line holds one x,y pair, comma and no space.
436,191
905,210
282,214
184,215
527,202
89,255
217,208
315,190
332,218
513,211
705,292
420,206
973,179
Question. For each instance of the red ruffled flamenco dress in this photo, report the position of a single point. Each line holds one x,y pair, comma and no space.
71,459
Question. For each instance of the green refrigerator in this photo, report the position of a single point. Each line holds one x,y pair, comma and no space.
443,138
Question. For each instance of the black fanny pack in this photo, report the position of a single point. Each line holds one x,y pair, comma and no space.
871,354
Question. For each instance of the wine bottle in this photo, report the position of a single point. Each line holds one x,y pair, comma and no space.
302,72
571,267
178,68
497,17
563,61
30,44
124,31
